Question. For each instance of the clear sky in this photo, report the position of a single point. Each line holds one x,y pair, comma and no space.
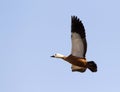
33,30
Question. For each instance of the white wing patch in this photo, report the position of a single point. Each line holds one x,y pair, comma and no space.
77,45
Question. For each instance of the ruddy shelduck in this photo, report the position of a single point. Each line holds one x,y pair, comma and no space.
79,47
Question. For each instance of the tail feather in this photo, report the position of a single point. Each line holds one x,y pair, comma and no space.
92,66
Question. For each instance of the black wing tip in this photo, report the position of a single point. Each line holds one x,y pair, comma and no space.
77,26
75,19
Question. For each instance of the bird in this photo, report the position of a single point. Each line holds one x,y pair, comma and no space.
77,58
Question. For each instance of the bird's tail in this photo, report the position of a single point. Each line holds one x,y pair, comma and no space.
92,66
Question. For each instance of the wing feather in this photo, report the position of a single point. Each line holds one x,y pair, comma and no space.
79,43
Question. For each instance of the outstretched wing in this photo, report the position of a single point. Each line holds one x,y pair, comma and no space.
78,36
79,44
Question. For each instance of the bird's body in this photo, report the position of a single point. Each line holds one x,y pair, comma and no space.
75,60
79,47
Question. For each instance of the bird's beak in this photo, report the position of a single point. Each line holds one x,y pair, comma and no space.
53,56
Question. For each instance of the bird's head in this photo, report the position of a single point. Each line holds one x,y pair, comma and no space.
57,55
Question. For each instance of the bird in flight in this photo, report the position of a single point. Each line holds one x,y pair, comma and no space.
77,58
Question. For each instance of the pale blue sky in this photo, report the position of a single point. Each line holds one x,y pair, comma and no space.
33,30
